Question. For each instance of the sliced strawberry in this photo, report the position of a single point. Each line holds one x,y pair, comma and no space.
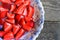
6,5
18,17
12,8
30,11
3,14
30,23
25,12
20,33
22,22
28,18
7,26
10,15
13,0
3,9
1,21
6,1
9,35
12,21
27,27
2,33
19,2
20,9
16,28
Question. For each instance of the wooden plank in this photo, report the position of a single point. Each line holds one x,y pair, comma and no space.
52,9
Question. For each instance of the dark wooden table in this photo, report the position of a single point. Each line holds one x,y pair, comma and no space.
51,30
52,9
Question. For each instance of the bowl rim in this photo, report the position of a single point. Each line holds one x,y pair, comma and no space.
42,12
42,18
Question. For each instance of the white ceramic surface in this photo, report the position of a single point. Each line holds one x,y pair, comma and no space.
34,35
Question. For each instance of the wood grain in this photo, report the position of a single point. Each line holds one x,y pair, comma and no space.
52,9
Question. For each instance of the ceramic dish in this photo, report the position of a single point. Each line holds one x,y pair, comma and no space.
39,22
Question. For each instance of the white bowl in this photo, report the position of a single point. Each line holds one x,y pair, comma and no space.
39,23
33,36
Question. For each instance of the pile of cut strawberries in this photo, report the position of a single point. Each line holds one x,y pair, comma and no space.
16,18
